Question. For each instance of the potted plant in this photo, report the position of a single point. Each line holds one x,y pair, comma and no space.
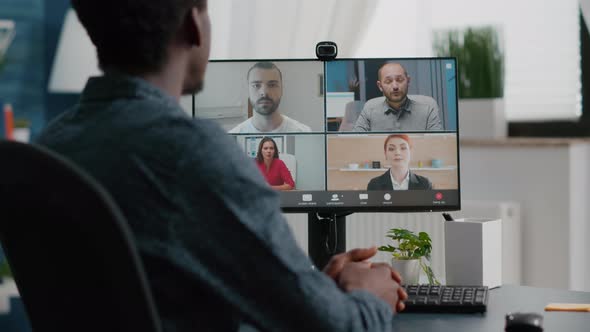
22,130
480,66
411,254
4,268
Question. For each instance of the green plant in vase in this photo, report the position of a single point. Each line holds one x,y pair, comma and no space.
411,247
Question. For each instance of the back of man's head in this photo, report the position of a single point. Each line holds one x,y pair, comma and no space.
133,35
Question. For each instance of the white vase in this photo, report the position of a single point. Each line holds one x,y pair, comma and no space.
482,118
409,269
22,135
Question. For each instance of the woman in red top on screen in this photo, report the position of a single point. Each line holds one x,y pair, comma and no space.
274,170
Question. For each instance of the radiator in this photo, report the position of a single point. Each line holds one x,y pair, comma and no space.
367,229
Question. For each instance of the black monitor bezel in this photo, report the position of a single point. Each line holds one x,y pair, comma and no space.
348,209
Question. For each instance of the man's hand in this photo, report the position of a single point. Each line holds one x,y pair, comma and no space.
337,262
394,274
401,292
354,280
379,279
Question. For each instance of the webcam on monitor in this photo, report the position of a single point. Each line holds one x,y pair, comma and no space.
326,50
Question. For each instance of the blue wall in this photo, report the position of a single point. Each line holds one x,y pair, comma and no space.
22,77
23,81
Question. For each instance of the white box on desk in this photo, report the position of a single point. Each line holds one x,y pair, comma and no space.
473,252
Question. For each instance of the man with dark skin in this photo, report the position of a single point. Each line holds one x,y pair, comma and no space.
217,251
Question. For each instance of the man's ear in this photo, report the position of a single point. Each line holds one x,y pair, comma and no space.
193,27
409,79
379,86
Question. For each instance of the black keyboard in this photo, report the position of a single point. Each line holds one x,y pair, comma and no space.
439,298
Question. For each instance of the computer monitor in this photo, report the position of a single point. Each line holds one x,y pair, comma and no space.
352,135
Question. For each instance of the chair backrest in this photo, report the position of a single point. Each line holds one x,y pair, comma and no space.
351,113
71,252
291,163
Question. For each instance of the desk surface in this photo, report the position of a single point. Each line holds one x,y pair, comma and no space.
501,301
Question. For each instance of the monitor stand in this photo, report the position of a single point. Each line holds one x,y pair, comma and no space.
326,236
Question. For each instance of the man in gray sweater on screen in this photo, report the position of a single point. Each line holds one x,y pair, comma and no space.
217,250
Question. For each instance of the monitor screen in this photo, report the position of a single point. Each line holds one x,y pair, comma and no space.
348,135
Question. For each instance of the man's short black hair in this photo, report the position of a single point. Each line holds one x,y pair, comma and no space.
133,35
264,65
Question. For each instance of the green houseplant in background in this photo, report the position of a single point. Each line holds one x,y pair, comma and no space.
480,60
480,66
5,269
411,254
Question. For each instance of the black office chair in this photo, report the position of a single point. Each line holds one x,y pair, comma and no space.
71,252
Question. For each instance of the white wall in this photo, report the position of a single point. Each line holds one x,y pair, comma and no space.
301,93
225,86
309,151
579,232
225,95
257,29
397,29
550,179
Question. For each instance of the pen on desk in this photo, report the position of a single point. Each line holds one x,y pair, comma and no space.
447,217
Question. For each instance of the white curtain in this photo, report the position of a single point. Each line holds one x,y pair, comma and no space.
273,29
398,28
242,29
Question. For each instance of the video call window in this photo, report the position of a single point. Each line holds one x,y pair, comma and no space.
430,159
303,155
366,134
251,97
359,94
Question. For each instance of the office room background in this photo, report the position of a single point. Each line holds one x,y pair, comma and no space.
546,76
